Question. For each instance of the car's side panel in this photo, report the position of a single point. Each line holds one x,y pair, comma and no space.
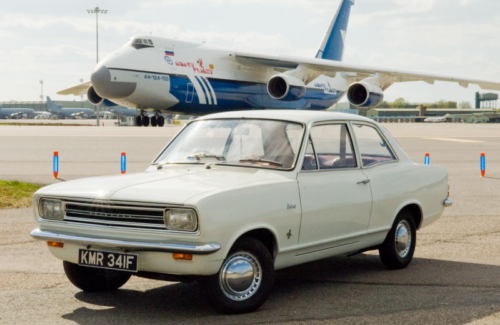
229,214
345,245
397,184
335,203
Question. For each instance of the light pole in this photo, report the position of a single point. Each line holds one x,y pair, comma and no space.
97,11
41,93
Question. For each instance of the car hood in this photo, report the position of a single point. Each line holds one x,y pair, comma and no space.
173,185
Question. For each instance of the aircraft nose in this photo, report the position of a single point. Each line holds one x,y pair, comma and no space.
107,88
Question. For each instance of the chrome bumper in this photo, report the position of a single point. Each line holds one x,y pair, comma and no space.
126,244
448,203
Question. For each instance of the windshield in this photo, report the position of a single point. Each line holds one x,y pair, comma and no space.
140,43
246,142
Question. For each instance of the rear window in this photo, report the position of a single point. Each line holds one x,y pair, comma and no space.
372,146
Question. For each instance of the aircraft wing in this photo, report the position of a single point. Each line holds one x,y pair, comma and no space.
312,68
78,90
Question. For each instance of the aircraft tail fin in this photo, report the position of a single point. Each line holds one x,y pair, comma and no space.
332,47
52,106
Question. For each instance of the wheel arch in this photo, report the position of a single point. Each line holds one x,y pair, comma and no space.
265,234
414,208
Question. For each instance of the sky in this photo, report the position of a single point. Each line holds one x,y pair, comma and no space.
54,40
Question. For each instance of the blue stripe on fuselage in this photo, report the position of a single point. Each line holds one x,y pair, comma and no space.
236,94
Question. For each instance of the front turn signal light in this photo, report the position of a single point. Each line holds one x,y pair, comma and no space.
55,244
182,256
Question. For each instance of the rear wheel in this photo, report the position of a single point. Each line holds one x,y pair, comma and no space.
92,279
397,250
154,121
245,279
145,120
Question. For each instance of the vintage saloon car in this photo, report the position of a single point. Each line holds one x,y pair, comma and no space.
235,196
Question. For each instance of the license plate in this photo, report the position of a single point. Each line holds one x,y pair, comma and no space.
108,260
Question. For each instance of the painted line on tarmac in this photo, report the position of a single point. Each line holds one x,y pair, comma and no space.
453,140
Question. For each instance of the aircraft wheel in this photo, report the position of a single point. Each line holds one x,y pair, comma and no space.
154,121
138,120
161,121
145,120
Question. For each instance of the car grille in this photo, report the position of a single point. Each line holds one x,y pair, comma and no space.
115,214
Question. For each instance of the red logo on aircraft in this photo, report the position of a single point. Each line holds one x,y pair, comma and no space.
198,67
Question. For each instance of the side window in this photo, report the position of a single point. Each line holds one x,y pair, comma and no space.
309,157
333,146
372,147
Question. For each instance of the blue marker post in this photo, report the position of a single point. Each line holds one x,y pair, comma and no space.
482,163
427,159
123,163
55,164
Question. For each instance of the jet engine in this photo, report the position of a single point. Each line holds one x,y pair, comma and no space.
286,87
93,97
365,94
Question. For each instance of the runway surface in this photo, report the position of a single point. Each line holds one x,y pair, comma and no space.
454,279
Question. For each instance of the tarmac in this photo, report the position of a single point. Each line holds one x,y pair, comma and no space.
454,278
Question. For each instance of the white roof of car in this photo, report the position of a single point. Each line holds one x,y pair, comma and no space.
304,116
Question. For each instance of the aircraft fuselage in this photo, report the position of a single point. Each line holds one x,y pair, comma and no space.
182,77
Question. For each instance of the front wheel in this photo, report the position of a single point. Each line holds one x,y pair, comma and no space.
245,279
92,279
397,250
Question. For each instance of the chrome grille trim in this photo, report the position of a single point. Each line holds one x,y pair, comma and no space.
115,214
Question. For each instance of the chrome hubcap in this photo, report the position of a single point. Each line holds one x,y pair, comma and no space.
241,276
403,238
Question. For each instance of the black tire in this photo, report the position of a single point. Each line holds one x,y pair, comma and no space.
161,121
394,253
154,121
145,120
92,280
218,291
138,120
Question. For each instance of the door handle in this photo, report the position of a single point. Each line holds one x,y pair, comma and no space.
365,181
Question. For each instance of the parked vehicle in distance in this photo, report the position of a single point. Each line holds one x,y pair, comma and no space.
235,196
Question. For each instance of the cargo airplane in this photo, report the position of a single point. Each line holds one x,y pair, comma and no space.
164,75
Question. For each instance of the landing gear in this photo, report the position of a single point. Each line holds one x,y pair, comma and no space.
157,120
138,120
142,120
161,120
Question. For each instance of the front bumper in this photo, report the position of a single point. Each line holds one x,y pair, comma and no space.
189,248
153,256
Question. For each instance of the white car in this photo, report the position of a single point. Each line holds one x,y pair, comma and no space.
235,196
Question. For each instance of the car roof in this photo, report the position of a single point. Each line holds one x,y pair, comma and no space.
302,116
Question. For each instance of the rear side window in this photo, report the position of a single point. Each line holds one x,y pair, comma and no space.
333,146
373,149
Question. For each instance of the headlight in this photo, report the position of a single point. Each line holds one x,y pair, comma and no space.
181,219
51,209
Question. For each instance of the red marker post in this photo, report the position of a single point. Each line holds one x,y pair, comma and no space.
55,164
123,163
427,159
482,164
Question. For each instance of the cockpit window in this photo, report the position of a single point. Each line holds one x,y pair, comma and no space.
140,43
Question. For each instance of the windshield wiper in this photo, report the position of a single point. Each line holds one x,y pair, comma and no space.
200,156
163,164
259,160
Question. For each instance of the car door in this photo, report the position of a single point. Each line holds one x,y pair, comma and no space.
387,176
335,194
